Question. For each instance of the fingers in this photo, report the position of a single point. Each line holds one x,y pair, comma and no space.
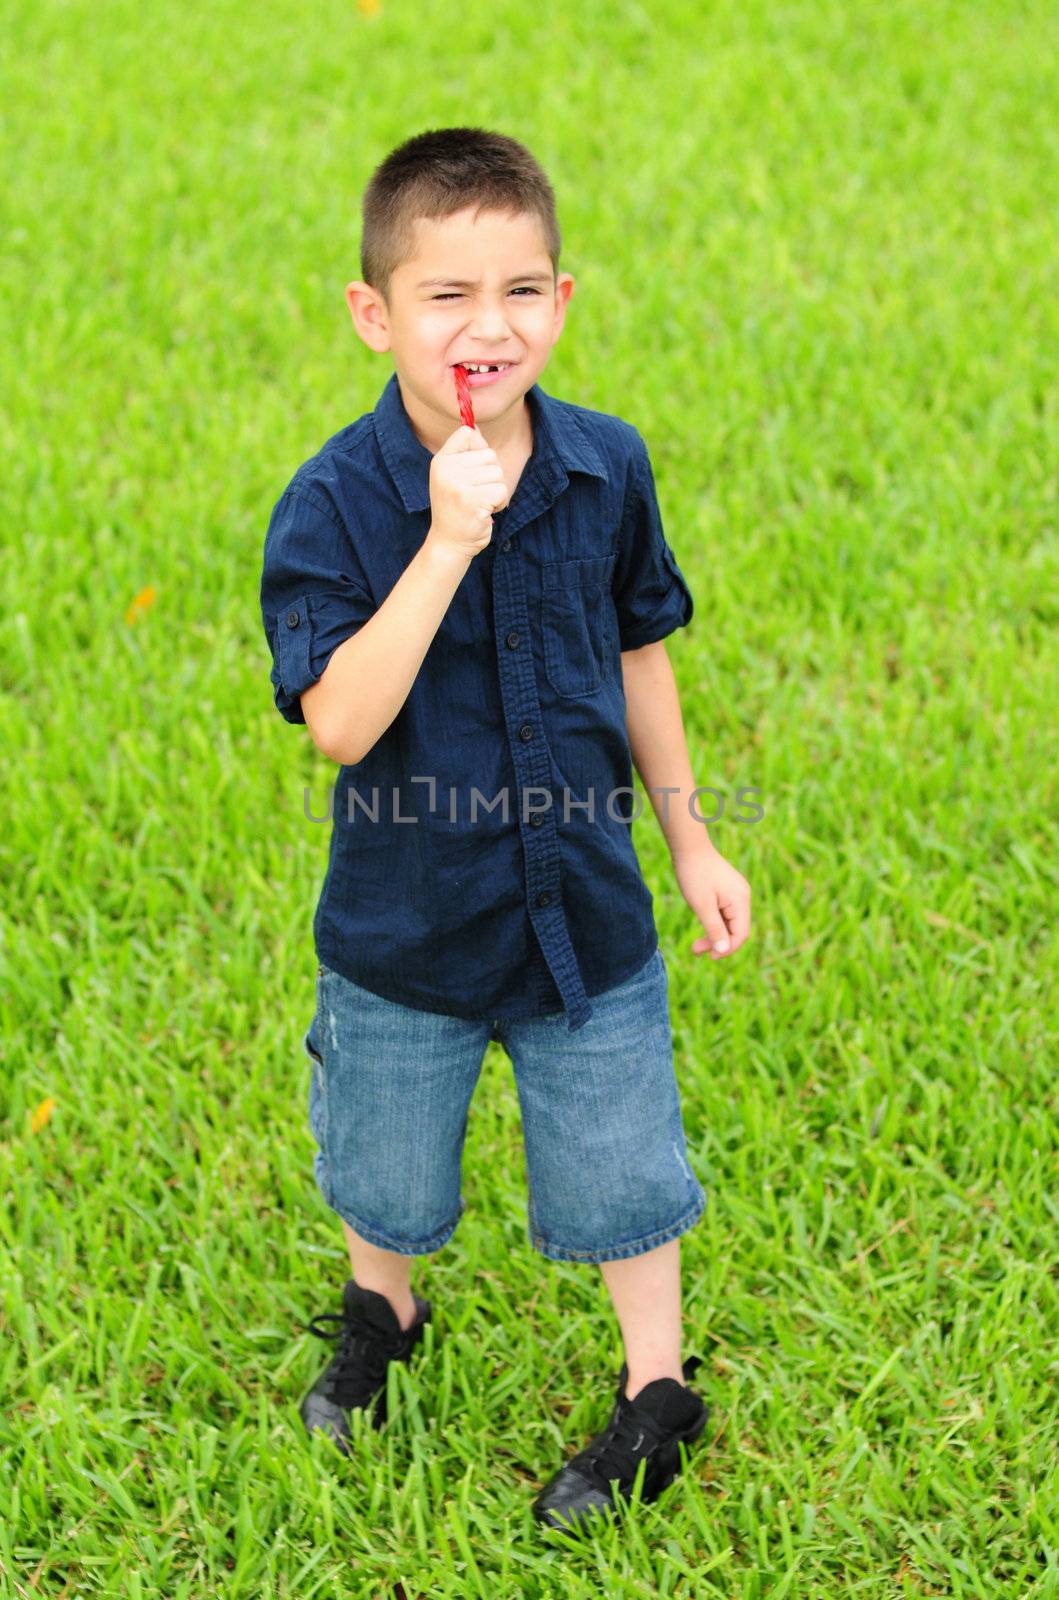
726,932
464,438
739,924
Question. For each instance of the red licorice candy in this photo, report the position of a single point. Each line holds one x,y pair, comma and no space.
463,395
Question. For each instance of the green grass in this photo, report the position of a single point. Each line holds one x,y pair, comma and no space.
815,253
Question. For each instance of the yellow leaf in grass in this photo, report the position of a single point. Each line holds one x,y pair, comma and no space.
143,602
42,1115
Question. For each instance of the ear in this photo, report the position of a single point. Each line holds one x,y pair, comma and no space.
564,288
370,317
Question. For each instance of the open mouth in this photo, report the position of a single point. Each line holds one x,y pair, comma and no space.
482,372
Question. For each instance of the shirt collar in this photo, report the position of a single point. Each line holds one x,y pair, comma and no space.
559,437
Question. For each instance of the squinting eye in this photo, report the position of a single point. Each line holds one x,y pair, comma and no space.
524,290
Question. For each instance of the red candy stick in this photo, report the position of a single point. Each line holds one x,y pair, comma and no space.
463,395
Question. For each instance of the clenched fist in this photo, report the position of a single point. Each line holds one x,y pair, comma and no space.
466,487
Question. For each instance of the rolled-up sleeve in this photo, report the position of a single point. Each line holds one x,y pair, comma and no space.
650,594
314,594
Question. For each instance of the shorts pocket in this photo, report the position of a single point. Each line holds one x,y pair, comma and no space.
578,623
318,1116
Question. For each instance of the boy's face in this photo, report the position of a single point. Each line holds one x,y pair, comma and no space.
507,305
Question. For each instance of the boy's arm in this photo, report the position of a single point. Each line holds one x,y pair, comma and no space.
659,746
369,676
717,894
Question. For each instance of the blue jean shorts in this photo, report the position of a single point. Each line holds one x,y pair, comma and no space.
606,1160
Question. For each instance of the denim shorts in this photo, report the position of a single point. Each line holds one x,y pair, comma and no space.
606,1161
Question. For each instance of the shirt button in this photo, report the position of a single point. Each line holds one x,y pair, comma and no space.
512,640
525,733
292,619
536,821
544,898
506,546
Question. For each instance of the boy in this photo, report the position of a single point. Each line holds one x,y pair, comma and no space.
470,622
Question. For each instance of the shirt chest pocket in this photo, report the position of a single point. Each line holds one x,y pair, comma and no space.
578,623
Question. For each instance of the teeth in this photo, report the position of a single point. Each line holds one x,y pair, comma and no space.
478,366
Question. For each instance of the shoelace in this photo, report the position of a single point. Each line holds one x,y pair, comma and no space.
627,1438
360,1361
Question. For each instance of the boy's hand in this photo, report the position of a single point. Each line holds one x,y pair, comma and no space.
466,486
719,897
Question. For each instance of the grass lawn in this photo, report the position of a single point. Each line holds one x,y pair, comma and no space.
815,248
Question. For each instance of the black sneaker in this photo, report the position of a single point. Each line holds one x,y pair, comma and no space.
369,1337
649,1427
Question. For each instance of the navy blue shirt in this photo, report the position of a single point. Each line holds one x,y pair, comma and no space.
481,859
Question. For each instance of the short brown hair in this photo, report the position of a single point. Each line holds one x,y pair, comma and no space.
438,173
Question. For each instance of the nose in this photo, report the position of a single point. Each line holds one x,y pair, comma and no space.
489,324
